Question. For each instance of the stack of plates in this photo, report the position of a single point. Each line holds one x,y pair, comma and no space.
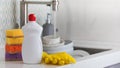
55,44
66,47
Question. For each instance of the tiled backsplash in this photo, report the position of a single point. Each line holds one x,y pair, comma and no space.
7,19
10,15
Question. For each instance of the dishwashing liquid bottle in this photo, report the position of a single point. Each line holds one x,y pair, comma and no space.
32,44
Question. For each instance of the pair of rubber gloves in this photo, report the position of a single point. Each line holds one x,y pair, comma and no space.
60,58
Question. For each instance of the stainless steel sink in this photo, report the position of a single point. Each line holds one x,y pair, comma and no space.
91,50
100,56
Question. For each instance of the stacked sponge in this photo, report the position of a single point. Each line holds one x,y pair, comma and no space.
14,39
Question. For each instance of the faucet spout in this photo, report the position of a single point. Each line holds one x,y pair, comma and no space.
55,4
24,8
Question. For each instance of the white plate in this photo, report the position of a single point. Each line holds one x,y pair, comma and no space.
69,51
79,53
61,46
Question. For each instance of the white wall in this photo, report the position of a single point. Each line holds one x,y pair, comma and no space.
90,20
79,20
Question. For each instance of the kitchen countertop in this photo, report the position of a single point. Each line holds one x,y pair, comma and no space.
19,64
98,60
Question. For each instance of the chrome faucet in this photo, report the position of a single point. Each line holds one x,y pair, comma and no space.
24,8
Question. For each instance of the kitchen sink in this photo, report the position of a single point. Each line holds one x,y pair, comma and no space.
91,50
98,58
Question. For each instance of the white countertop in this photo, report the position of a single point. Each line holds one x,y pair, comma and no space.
20,64
99,60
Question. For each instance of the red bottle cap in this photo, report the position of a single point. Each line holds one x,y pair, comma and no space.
32,17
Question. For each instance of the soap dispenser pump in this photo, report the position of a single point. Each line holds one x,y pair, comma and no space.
48,27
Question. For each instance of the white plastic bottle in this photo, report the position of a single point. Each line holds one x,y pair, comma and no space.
32,45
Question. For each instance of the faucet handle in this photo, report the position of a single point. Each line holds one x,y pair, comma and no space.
23,0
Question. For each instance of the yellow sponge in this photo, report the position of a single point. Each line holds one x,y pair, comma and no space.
14,40
14,33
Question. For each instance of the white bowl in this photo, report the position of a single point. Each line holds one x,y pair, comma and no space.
50,40
61,43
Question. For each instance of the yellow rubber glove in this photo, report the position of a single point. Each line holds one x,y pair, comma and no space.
60,58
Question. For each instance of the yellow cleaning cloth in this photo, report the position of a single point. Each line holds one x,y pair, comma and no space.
14,40
14,33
